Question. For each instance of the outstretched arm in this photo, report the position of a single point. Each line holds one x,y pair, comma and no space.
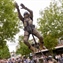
19,14
30,11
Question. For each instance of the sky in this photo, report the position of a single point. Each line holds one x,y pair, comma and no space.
36,6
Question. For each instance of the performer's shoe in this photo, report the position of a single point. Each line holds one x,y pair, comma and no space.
44,47
33,49
41,46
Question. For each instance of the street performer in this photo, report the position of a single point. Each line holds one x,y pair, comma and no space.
29,28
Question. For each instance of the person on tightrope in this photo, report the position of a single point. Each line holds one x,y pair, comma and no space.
29,28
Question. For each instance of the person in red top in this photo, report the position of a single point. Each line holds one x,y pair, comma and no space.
29,28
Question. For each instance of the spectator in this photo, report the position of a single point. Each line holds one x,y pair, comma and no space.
28,60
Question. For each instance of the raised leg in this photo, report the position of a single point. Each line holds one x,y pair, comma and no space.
38,35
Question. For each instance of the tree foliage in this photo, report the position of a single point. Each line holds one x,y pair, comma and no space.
50,23
22,48
4,52
8,21
50,42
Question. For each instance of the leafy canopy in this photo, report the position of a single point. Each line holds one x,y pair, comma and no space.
50,24
9,23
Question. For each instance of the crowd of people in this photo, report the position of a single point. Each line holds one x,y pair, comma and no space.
35,59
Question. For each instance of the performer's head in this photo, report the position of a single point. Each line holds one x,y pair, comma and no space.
26,15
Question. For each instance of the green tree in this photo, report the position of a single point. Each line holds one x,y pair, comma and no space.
22,48
50,24
4,52
50,42
8,21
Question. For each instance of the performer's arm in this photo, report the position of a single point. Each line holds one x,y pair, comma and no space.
30,11
19,14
